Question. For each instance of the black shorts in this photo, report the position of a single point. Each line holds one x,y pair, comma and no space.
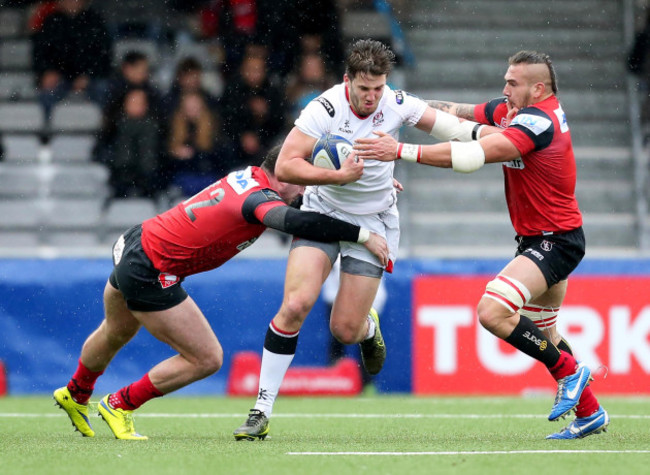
144,287
556,255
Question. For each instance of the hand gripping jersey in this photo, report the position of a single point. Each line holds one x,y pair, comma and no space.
331,113
208,229
540,186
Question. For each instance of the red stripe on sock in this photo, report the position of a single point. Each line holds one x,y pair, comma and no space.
279,331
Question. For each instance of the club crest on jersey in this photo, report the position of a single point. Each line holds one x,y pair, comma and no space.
399,97
327,105
546,245
378,119
167,280
345,128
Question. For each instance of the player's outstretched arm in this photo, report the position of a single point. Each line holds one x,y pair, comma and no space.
292,166
464,111
463,157
319,227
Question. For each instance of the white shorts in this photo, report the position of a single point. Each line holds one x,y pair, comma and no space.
385,223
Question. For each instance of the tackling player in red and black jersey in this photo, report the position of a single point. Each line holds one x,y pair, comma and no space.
528,133
150,262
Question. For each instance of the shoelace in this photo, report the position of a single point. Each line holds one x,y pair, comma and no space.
254,418
128,421
561,384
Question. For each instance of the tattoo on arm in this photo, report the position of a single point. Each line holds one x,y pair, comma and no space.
464,111
441,105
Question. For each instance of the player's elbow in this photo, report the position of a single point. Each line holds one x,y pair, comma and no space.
283,171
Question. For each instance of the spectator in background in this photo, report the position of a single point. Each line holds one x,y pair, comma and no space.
71,53
318,30
306,83
188,78
134,163
253,111
197,155
134,73
234,23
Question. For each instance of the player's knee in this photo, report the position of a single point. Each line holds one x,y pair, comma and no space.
347,333
490,315
210,363
295,308
503,297
117,336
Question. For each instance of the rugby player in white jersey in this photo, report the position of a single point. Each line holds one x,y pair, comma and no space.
360,192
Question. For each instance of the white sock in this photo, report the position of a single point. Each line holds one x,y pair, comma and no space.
274,367
371,328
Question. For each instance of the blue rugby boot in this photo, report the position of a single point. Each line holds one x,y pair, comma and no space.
584,426
569,390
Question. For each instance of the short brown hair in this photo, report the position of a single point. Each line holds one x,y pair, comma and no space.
268,164
533,57
369,57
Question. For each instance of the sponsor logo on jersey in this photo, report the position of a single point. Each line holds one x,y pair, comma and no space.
167,280
561,118
327,105
546,245
345,128
242,180
378,119
245,244
399,97
118,250
534,123
517,164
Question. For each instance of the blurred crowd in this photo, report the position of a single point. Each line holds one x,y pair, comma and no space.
262,61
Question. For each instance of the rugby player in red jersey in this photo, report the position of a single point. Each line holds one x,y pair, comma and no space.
152,259
528,133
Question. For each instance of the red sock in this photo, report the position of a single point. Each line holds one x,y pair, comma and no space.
82,383
134,395
565,366
588,403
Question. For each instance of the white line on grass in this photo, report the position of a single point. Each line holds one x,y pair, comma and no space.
161,415
486,452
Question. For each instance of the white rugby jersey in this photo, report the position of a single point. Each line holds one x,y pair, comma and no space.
331,113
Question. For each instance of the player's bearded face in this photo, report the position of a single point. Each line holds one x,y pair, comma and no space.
365,91
517,89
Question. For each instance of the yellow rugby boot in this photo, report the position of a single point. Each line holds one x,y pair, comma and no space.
78,413
119,421
373,350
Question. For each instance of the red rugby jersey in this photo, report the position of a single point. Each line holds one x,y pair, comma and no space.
539,186
208,229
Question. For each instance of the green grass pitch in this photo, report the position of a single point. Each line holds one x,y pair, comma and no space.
363,435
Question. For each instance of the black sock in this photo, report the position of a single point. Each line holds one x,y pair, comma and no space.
529,339
280,344
564,346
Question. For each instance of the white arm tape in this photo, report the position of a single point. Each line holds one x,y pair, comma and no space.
364,235
409,152
449,127
467,157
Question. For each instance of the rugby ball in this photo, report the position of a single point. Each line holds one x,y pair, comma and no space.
330,151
